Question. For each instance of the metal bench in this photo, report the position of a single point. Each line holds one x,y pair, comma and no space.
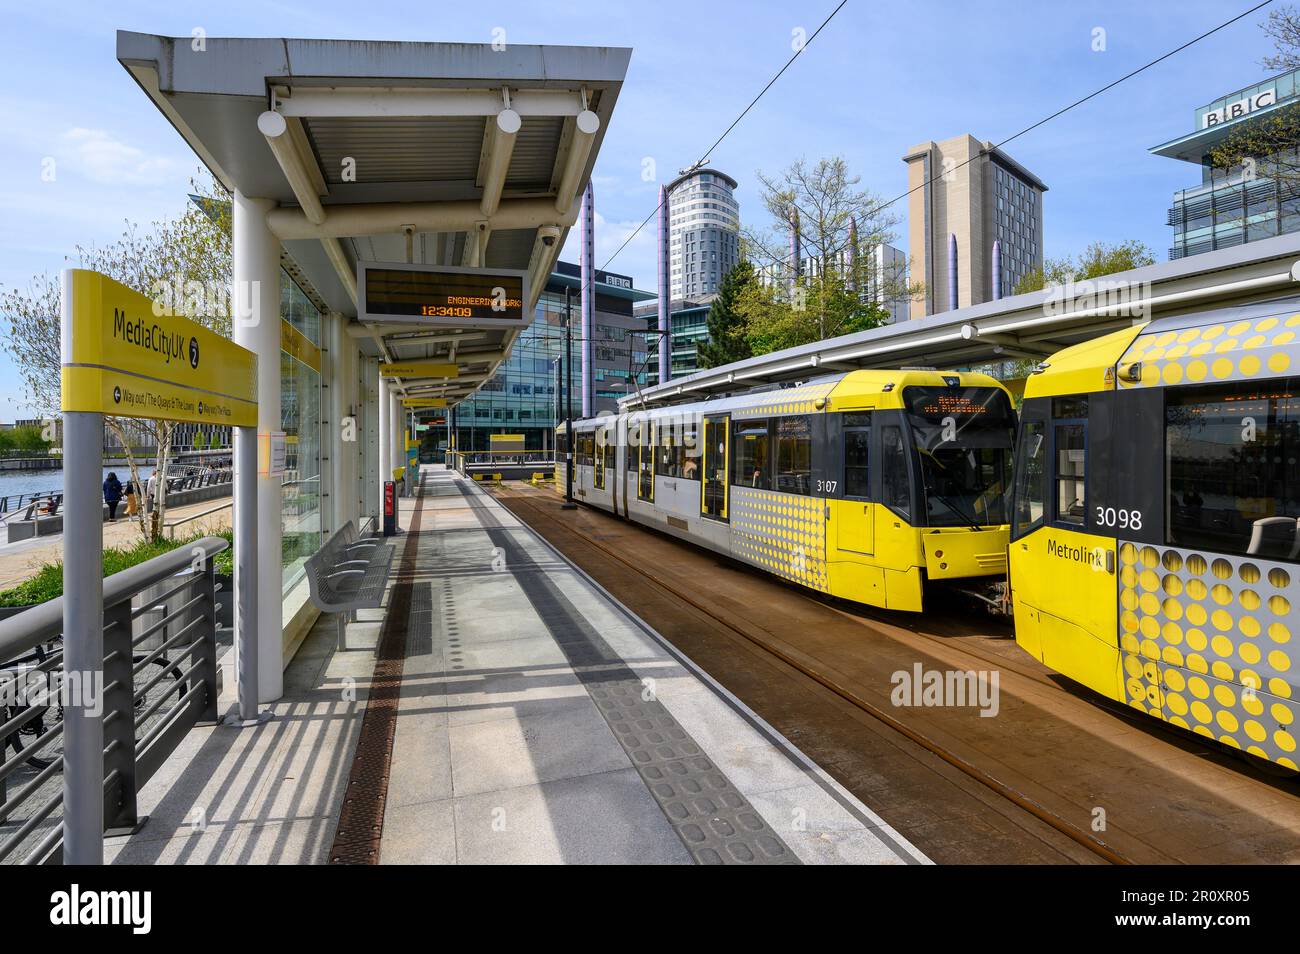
348,573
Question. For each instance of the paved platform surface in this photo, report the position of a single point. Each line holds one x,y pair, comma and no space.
538,722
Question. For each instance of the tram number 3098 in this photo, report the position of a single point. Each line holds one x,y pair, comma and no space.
1124,519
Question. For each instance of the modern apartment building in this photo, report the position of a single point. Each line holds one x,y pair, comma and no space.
525,397
704,232
1238,205
970,194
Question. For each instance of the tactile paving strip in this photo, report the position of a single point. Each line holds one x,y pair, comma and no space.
714,820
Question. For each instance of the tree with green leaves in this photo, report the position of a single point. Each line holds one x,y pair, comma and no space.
727,342
182,263
839,224
1098,259
821,307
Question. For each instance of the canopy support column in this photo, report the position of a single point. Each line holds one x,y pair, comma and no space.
256,273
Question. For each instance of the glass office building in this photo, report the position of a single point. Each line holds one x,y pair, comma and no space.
1237,205
525,397
689,322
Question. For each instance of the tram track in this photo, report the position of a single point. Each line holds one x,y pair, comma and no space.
808,667
1011,786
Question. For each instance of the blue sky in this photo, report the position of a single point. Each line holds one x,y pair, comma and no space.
880,78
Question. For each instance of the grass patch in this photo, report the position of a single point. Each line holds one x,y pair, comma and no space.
47,583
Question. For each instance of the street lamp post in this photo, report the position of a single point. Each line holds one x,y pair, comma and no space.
568,399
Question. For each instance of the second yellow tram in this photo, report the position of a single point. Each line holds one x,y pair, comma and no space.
1155,538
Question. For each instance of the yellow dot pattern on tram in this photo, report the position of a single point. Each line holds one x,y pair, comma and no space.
1255,348
797,400
1216,655
783,533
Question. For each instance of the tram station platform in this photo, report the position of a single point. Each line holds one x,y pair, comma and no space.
501,708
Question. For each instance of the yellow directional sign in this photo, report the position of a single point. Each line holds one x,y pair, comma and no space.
418,369
418,402
120,358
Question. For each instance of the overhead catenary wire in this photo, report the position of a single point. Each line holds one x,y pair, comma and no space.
1027,129
1030,128
983,152
734,123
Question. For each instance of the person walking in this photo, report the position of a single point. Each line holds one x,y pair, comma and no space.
132,507
112,495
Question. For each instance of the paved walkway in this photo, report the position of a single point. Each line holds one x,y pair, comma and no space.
540,722
537,721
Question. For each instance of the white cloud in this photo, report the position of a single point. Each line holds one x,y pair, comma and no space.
99,156
637,259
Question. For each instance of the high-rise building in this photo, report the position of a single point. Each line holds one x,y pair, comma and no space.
1240,204
704,232
524,396
970,194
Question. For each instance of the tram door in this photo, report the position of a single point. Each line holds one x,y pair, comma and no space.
598,460
713,498
854,528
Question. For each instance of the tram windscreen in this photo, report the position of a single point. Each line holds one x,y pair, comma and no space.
963,438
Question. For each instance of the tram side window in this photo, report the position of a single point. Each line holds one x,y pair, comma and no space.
895,485
751,454
1234,468
668,462
1071,463
690,451
1031,476
794,455
857,440
586,442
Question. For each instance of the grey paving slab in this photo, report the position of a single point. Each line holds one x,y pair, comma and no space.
419,834
512,695
186,847
570,741
304,841
607,818
422,754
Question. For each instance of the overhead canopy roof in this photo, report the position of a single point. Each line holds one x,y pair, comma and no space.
1034,325
433,153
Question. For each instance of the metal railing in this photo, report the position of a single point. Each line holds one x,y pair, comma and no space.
160,679
461,460
171,525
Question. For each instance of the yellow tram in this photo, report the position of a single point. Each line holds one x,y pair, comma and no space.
1155,525
862,484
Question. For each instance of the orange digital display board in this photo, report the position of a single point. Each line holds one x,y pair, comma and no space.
442,295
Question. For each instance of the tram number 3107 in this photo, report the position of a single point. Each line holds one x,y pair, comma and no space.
1124,519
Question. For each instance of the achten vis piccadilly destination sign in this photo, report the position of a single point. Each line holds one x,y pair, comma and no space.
121,358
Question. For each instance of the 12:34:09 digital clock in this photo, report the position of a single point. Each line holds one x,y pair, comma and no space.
444,311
